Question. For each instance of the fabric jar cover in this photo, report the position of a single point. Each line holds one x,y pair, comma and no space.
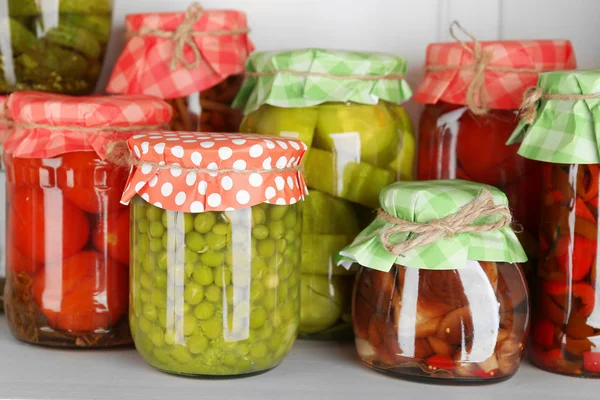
198,172
309,77
424,202
144,65
504,89
47,125
564,131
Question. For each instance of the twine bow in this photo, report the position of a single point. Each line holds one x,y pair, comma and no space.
184,36
534,94
453,224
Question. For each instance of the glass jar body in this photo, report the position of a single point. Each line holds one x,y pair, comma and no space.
355,150
67,251
215,293
454,143
566,314
465,325
209,110
55,46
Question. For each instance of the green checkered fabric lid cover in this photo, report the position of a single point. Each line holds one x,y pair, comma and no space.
564,131
424,202
285,88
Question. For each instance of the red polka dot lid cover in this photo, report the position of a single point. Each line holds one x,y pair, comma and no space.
197,171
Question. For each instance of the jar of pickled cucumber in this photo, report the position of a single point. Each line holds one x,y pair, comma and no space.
462,133
558,128
200,78
216,231
5,125
55,46
346,107
450,303
67,233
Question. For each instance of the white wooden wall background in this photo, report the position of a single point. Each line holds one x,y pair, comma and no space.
403,27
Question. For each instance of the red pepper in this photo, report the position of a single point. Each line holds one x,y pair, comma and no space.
487,375
441,362
543,333
582,210
591,361
582,291
576,257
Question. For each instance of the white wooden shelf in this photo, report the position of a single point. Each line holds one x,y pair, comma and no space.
313,370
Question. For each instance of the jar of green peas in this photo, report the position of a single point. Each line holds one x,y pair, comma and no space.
216,224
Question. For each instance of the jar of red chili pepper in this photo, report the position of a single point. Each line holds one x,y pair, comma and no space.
194,60
559,127
472,93
68,235
448,304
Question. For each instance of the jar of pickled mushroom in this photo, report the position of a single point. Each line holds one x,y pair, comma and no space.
216,230
472,92
360,140
55,46
559,128
67,233
440,295
193,59
5,125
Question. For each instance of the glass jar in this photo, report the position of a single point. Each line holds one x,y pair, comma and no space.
465,325
215,293
54,46
67,251
566,314
200,84
215,278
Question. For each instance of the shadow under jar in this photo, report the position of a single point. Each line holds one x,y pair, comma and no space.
465,325
566,323
67,251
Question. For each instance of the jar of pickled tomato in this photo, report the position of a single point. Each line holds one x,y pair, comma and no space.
67,233
561,132
216,230
449,304
360,140
470,113
200,79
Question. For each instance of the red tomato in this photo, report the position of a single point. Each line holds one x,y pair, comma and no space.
17,263
591,361
90,183
83,294
45,226
543,333
112,236
576,257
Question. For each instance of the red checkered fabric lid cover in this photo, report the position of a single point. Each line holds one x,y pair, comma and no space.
47,124
145,67
503,89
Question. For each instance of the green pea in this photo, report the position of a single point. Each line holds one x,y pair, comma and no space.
276,229
203,275
162,355
148,263
138,306
271,281
221,229
189,325
149,311
282,290
269,300
163,260
143,226
189,269
222,277
290,236
162,320
190,256
142,244
204,311
160,279
243,365
289,310
188,222
204,222
195,241
242,349
260,232
285,269
156,229
154,214
156,244
229,295
179,309
230,359
216,241
144,295
169,241
258,317
258,216
257,290
213,328
158,298
266,331
181,353
258,351
144,324
213,356
259,267
213,293
197,344
290,220
146,281
277,212
276,341
229,258
281,245
156,336
266,248
193,293
170,337
212,259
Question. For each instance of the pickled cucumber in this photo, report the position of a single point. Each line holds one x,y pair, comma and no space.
323,302
21,38
22,8
97,25
75,38
318,251
326,214
215,293
85,6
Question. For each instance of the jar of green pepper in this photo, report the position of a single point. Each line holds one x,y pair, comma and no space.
216,226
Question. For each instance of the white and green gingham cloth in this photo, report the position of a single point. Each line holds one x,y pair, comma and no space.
284,89
424,202
564,131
